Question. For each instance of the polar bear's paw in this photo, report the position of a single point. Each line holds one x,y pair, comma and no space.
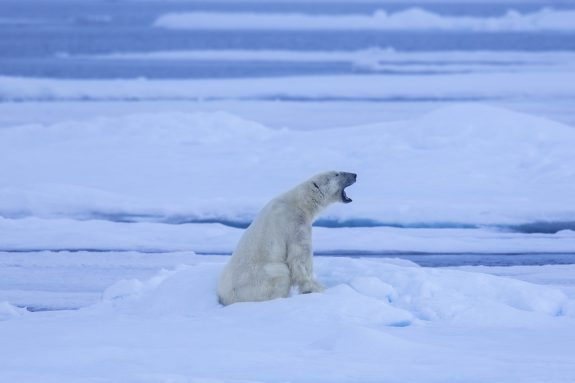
311,287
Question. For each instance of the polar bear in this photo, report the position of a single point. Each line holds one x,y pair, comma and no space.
275,251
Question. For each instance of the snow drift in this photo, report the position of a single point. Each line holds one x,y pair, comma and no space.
9,311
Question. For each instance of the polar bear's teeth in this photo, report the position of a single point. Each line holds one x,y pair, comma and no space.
344,197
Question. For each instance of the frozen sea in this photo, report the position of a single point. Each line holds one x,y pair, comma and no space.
44,38
65,61
138,139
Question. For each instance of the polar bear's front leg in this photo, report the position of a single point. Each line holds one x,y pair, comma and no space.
300,263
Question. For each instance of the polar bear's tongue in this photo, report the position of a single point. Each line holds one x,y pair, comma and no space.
344,197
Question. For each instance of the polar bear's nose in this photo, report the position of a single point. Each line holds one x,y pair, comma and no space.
348,178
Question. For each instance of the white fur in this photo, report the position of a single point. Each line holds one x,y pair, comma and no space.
275,251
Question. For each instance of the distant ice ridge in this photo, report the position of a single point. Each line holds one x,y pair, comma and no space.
466,164
375,59
546,19
503,84
385,54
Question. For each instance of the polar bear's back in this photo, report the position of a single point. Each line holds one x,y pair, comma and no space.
267,236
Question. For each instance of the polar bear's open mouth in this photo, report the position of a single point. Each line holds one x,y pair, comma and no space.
351,178
344,197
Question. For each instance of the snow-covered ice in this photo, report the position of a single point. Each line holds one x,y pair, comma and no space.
121,195
447,167
378,320
83,201
559,276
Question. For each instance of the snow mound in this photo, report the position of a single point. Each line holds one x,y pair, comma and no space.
444,295
8,311
186,290
365,293
409,19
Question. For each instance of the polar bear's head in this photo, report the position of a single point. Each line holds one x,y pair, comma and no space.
331,186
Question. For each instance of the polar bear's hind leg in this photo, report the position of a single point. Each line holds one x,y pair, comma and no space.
270,282
278,281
